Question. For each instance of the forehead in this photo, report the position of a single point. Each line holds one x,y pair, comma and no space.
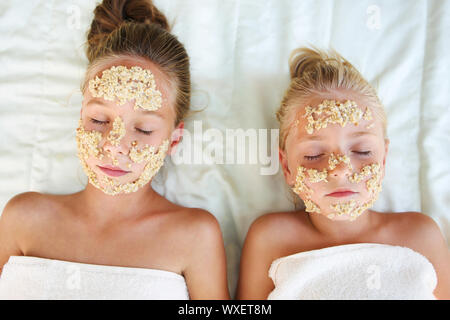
160,77
372,128
163,84
98,104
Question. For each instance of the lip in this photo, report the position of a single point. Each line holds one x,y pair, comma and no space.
113,171
341,193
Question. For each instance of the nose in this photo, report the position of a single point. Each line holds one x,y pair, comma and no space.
120,145
119,148
341,168
115,140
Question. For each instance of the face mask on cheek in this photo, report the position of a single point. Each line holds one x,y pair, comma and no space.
88,146
370,174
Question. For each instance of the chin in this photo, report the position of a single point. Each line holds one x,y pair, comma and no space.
341,218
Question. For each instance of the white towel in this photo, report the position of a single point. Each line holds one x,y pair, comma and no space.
26,277
353,272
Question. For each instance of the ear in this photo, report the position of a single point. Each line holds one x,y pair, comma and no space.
176,137
282,156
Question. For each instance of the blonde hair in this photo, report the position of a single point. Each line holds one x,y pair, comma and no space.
136,28
315,73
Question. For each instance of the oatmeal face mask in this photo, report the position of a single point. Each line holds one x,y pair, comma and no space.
121,84
88,146
330,111
341,113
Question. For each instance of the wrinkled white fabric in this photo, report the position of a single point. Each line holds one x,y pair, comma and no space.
39,278
354,272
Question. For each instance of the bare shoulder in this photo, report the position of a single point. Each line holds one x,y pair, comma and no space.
30,213
17,221
412,223
278,233
425,229
186,220
21,207
194,225
417,231
194,218
202,255
30,207
21,200
422,234
196,237
276,224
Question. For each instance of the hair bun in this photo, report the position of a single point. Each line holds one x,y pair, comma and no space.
110,14
312,63
304,60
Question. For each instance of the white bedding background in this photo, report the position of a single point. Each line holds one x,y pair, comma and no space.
239,53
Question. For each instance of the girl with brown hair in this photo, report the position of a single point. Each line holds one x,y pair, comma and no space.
118,238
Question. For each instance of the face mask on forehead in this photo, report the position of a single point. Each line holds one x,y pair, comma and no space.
333,112
121,84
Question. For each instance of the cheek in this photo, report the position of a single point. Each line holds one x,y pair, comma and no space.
308,183
141,155
314,173
137,169
143,139
88,142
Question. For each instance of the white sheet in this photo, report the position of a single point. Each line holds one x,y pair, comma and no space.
239,51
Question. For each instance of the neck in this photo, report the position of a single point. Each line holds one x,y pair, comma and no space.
103,208
342,230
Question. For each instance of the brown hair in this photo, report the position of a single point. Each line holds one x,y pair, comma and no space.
315,72
136,28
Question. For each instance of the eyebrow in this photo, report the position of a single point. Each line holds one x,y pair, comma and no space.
103,104
352,135
313,138
361,133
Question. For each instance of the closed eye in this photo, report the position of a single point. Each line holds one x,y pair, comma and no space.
98,122
363,153
313,157
144,131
